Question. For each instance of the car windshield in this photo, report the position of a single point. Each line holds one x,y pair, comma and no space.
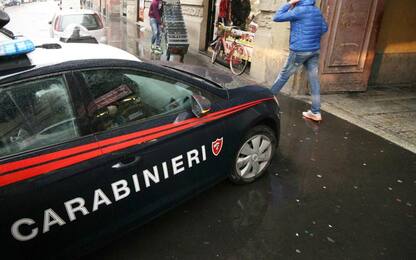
89,21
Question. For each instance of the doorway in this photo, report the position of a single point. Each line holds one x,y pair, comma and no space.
210,23
348,48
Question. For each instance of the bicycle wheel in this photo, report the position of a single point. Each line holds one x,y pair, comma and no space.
237,64
215,51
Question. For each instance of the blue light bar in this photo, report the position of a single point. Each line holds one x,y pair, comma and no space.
16,47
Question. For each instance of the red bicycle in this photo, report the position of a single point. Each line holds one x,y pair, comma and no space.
229,50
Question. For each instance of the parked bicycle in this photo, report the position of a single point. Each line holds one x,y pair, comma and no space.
230,50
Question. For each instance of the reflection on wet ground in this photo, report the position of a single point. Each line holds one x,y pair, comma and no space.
334,191
129,37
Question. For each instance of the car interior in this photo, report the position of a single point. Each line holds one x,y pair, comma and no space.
121,97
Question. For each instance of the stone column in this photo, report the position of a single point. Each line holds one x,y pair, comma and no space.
113,8
195,21
131,11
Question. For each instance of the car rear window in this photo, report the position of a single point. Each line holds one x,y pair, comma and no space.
35,114
89,21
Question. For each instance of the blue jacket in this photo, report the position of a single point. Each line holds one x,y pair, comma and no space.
306,25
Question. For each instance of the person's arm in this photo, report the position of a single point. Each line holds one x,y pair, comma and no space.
157,12
287,12
151,10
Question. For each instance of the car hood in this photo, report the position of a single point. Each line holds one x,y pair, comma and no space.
249,93
239,89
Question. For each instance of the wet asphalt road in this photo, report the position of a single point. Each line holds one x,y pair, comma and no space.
334,191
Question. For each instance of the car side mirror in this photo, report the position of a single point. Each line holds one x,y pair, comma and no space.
200,105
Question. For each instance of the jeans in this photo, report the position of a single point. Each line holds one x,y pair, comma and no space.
155,31
294,61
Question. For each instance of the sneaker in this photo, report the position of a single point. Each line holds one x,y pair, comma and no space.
158,51
153,47
314,116
158,48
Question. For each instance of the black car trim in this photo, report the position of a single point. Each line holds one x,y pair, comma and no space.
194,75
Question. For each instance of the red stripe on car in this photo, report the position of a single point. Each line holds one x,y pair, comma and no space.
108,146
25,163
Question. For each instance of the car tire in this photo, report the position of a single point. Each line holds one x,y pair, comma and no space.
253,155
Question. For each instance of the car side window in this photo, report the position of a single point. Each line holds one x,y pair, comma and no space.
35,114
124,96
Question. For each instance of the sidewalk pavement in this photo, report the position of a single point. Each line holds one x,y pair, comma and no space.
389,112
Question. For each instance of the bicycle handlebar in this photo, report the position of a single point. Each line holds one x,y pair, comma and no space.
228,28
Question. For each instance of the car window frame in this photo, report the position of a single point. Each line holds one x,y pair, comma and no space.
96,17
87,98
77,106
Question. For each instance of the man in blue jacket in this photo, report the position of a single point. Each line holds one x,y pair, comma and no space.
306,29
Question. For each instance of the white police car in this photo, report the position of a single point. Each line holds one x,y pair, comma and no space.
94,142
89,19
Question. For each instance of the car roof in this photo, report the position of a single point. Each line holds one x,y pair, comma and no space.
76,11
69,52
77,51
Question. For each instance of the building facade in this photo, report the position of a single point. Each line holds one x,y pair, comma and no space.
108,8
371,42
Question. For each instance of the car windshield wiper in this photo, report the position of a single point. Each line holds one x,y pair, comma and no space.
8,33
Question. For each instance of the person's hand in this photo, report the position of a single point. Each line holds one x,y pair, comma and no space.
293,2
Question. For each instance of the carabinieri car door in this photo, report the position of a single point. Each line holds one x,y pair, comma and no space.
156,152
51,184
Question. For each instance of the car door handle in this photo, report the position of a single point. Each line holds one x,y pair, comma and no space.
121,165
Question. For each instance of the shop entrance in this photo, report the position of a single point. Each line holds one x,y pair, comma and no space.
239,13
210,23
231,31
348,48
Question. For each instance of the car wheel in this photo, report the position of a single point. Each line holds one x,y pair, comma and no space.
254,155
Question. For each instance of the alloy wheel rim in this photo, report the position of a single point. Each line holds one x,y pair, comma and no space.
254,156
